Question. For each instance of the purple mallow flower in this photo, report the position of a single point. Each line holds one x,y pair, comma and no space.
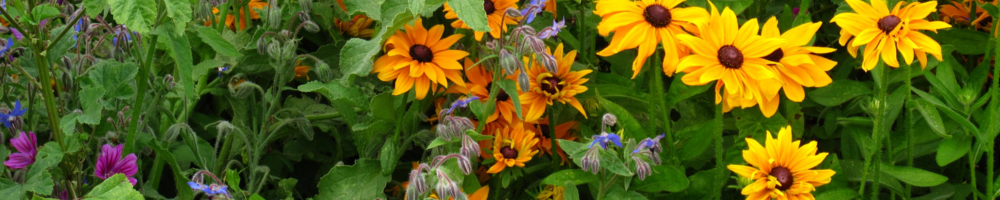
27,145
18,111
604,138
111,162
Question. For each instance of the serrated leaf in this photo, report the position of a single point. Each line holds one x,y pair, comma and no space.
39,180
509,87
137,15
838,92
214,39
95,7
360,181
42,12
179,12
115,77
356,58
914,176
573,176
89,98
115,187
368,7
471,12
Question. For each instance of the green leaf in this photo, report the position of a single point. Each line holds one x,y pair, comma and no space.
838,92
700,140
968,42
180,181
931,116
609,160
115,77
95,7
738,6
256,197
181,51
382,107
388,157
471,12
42,12
624,117
664,178
89,98
179,12
356,58
438,142
11,190
136,14
115,187
360,181
680,91
212,37
952,149
39,180
570,192
368,7
233,179
751,121
570,176
68,123
836,194
914,176
509,87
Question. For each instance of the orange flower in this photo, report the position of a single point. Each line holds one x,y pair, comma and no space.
419,59
230,19
513,146
561,85
564,131
480,82
359,26
301,70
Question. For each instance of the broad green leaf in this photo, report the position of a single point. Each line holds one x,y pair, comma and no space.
382,107
438,142
115,187
137,15
115,77
95,7
914,176
61,47
214,39
509,87
570,192
68,123
569,176
179,12
695,146
632,127
39,180
680,91
394,15
11,190
738,6
664,178
610,161
968,42
471,12
256,197
369,7
750,121
89,98
838,92
181,51
233,179
427,7
356,58
287,187
619,193
836,194
180,181
42,12
952,149
931,116
388,157
360,181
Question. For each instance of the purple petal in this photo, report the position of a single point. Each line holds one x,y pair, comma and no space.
126,166
19,160
132,180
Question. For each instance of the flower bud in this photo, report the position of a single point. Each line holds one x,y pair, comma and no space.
590,161
446,187
470,148
274,17
417,182
168,81
509,62
311,26
262,46
289,51
274,49
513,12
524,82
464,164
609,120
642,168
305,4
442,131
535,44
549,62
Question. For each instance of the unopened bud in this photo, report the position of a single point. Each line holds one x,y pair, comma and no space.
464,165
262,46
446,187
289,51
609,119
513,12
274,49
311,26
524,82
509,62
549,62
536,44
442,131
274,17
590,161
642,168
417,181
470,148
306,5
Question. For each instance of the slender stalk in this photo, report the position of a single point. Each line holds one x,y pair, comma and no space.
972,173
909,132
719,166
657,89
991,193
878,130
224,155
47,91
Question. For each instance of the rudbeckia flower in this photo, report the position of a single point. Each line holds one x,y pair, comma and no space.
230,18
958,12
797,64
419,59
301,70
545,86
564,131
359,26
495,11
782,169
480,83
732,56
884,32
513,146
645,24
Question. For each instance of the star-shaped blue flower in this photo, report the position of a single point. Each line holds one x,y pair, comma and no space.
604,138
18,111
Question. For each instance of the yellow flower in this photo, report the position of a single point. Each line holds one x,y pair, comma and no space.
480,82
513,146
884,32
359,26
551,7
644,24
783,169
490,129
481,194
796,64
733,57
494,14
561,85
552,192
230,18
958,12
301,70
420,59
563,131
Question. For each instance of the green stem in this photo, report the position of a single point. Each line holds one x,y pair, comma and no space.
657,89
909,133
995,102
224,155
878,105
972,172
47,91
721,177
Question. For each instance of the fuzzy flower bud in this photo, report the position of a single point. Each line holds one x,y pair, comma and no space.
524,82
590,161
446,187
470,148
509,62
289,50
417,182
305,4
549,62
513,12
262,46
274,49
168,81
609,119
442,131
274,17
311,26
536,44
642,168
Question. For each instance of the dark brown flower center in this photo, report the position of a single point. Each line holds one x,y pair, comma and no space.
783,176
731,57
888,23
775,56
421,53
550,85
489,7
544,129
657,15
985,21
501,95
508,153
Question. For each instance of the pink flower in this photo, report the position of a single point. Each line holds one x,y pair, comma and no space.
27,145
110,163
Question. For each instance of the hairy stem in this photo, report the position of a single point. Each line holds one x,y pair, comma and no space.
656,86
721,177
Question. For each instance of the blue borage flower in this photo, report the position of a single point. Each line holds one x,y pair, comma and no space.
460,103
553,30
222,69
651,144
10,44
531,9
14,113
604,138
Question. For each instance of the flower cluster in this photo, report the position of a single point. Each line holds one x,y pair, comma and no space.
217,190
445,184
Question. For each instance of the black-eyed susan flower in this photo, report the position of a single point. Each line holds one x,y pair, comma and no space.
548,86
552,192
884,32
565,131
513,146
419,59
359,26
481,194
645,24
301,71
958,12
490,129
495,10
732,56
782,169
796,63
231,18
480,83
